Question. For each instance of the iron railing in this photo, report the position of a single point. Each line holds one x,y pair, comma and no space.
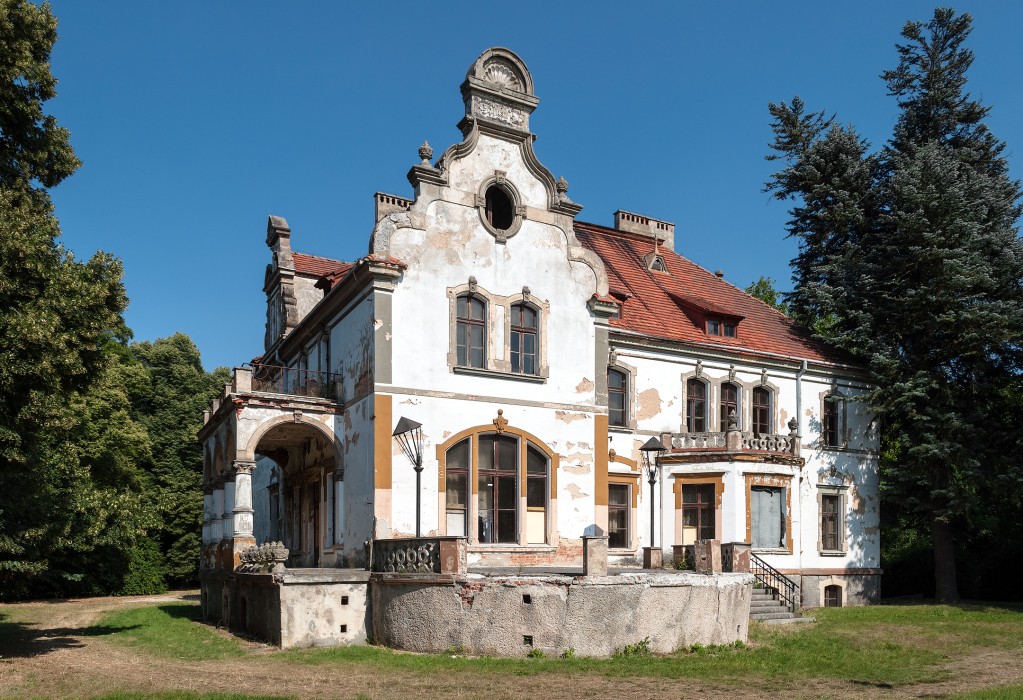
270,379
773,580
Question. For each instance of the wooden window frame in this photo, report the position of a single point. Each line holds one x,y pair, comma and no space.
761,409
841,494
696,420
724,405
717,479
525,439
469,323
520,331
624,392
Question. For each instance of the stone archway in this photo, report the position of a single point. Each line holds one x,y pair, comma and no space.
296,489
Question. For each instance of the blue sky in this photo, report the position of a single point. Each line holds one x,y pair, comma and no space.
195,120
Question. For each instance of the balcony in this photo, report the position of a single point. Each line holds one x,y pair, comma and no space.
290,381
734,445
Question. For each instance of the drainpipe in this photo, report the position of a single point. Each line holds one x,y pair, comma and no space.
799,432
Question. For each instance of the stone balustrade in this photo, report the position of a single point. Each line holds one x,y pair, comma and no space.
734,440
687,441
420,555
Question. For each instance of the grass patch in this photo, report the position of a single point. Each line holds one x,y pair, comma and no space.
184,695
885,646
881,645
170,631
1007,692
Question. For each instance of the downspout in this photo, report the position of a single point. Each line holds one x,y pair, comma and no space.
799,433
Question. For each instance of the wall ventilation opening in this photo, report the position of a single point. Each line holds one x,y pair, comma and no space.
344,600
344,628
527,639
500,212
527,599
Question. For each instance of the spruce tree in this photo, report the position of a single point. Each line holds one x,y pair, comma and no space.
910,259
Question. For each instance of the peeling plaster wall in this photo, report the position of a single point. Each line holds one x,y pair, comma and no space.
442,418
355,432
592,616
352,348
306,294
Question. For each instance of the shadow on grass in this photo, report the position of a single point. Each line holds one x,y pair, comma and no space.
182,612
22,640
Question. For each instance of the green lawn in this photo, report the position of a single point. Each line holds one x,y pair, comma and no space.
878,646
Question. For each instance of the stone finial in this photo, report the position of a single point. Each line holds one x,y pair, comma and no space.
763,377
426,152
472,283
699,368
793,424
561,186
731,373
733,420
525,293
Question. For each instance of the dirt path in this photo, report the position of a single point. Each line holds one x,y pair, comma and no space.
57,652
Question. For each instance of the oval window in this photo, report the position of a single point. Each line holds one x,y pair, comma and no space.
499,208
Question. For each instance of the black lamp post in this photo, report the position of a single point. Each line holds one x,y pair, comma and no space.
409,435
650,450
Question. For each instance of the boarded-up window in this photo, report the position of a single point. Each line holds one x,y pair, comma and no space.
832,596
767,515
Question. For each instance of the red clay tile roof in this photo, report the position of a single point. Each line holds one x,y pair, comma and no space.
316,266
668,305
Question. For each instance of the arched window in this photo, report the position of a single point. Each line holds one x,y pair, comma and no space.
617,401
832,596
761,411
456,477
470,330
497,466
829,422
536,495
497,487
729,404
524,345
696,406
499,209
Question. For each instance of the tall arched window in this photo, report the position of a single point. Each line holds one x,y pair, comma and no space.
617,393
729,404
470,329
524,345
536,495
696,406
456,477
512,489
761,411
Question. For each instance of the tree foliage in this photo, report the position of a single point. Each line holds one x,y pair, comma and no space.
176,391
910,259
763,289
99,469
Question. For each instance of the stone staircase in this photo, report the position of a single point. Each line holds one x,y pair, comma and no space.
766,607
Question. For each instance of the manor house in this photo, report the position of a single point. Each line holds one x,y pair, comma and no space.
538,354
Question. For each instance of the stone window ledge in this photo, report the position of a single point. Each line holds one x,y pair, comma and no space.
831,553
620,429
497,374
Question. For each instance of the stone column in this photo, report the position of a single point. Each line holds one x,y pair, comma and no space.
595,556
207,521
242,511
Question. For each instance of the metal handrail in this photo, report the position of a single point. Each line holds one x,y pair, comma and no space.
771,578
272,379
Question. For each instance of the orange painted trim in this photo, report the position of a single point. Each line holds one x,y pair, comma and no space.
473,435
382,429
600,462
715,478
